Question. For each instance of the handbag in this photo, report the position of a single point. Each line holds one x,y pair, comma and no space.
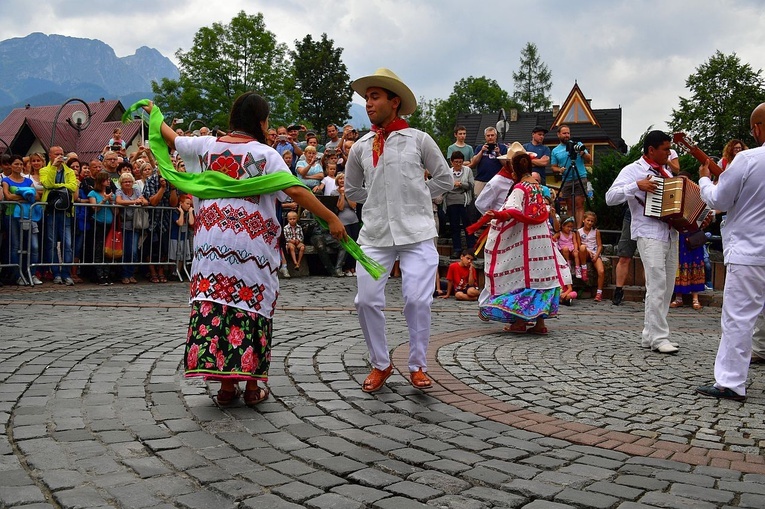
695,240
140,219
59,199
113,243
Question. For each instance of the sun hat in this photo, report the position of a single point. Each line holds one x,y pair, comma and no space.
513,150
387,79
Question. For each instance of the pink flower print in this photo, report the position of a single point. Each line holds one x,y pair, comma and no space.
206,308
203,330
192,357
248,360
216,321
235,336
220,360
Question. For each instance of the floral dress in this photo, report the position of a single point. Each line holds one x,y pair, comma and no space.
234,286
524,269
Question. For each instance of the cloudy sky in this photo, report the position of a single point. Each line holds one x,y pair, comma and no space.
630,54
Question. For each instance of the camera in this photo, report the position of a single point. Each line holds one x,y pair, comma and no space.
574,148
282,137
490,147
64,159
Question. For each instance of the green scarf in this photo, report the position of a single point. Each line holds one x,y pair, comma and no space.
213,184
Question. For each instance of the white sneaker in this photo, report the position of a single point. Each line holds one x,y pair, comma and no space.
578,272
667,348
284,271
57,280
36,280
69,281
20,281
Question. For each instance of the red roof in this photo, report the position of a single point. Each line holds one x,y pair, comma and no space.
105,116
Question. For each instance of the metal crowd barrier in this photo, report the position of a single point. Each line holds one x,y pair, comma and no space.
88,239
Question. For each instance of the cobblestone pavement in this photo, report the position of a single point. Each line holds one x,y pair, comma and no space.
95,411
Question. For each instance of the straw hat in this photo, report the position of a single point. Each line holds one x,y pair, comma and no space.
512,150
387,79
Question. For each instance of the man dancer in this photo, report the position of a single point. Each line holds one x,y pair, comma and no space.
744,254
656,240
385,172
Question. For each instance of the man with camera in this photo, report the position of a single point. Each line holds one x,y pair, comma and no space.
485,159
285,143
568,160
60,185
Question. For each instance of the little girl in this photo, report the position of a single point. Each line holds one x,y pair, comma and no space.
590,249
568,244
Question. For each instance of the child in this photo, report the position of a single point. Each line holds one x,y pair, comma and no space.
180,245
462,278
568,244
293,237
116,143
590,249
568,295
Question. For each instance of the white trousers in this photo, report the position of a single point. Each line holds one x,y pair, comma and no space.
758,339
660,265
418,263
743,302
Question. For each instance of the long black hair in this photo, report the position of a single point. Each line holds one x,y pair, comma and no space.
247,113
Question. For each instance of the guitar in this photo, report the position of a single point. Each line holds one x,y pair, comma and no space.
682,139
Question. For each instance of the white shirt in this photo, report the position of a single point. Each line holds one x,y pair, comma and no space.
741,192
625,188
397,198
494,193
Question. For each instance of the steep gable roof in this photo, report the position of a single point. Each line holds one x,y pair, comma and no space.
25,125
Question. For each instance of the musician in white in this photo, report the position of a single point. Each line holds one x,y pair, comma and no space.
656,240
740,191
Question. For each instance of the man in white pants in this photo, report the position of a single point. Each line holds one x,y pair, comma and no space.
385,171
741,192
656,240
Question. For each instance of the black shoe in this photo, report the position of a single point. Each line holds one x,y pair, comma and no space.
715,392
103,281
618,296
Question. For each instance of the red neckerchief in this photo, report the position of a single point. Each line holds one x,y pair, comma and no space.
508,174
661,170
378,144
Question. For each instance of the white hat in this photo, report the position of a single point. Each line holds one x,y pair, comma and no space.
387,79
512,150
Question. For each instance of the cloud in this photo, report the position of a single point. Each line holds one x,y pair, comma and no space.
636,55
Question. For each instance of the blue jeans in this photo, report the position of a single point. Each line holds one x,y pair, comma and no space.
58,228
458,219
20,239
129,252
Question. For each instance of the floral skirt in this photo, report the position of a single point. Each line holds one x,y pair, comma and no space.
690,275
524,304
227,343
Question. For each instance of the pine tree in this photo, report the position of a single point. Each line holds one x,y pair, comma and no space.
532,81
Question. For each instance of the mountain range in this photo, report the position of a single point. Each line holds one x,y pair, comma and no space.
42,69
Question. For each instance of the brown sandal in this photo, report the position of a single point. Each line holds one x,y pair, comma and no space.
376,379
419,379
225,398
255,396
676,304
696,304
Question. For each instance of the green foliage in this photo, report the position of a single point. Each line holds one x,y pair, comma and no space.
532,81
470,95
603,175
424,119
323,81
723,94
225,61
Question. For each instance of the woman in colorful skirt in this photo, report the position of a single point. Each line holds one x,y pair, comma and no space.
524,269
690,277
234,286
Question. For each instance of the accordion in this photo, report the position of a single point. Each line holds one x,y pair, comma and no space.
677,201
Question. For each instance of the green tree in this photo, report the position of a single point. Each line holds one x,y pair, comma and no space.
603,175
424,117
225,61
470,95
724,91
532,81
323,81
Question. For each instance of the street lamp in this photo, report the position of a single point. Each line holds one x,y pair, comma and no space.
191,124
77,120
